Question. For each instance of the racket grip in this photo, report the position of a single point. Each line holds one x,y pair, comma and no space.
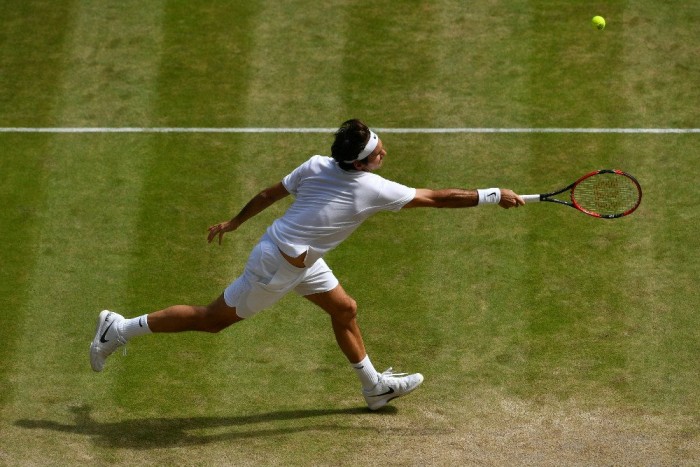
531,198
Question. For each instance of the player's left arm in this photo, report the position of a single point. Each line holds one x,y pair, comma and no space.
459,198
256,205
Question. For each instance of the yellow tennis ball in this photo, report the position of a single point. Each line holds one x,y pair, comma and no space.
598,22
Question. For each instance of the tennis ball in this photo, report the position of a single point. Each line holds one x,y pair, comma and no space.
598,22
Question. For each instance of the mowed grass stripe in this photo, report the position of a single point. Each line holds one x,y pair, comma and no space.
112,63
192,182
586,339
475,258
378,265
30,42
387,76
563,351
470,317
188,186
287,356
296,65
22,195
575,71
585,328
206,67
662,267
86,225
481,53
480,58
660,71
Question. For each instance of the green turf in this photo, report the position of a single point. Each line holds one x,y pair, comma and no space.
546,337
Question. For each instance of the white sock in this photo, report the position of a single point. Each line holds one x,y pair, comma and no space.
134,327
366,372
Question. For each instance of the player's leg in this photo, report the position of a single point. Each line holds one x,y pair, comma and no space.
211,318
265,279
377,388
113,330
343,313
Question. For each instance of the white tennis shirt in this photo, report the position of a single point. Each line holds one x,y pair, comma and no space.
330,203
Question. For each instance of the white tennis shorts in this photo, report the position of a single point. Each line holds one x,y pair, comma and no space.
268,277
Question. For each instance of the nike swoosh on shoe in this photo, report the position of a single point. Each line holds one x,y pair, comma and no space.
102,337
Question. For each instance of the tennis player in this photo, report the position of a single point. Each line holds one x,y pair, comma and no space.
333,196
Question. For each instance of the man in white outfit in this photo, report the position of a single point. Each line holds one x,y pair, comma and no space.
333,196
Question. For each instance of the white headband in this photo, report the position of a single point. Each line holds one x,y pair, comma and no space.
369,147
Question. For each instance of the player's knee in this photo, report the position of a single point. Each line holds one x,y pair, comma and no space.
346,311
216,319
216,326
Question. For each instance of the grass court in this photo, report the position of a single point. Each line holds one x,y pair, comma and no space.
546,337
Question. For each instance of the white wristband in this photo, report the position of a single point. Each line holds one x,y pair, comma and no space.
489,195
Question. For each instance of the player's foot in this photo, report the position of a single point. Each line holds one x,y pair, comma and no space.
390,386
107,339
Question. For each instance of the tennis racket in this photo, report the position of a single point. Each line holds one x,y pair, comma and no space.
607,194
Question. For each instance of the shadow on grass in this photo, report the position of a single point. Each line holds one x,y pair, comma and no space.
151,433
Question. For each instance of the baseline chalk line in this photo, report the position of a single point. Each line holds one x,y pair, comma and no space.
59,130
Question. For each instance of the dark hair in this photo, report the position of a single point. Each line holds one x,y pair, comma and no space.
350,140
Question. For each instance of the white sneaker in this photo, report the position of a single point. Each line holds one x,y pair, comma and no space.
390,386
107,339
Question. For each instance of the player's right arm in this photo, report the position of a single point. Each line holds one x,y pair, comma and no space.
255,206
458,198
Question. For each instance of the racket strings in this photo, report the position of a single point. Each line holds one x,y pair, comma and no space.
607,194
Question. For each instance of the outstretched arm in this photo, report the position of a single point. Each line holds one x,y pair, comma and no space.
259,203
459,198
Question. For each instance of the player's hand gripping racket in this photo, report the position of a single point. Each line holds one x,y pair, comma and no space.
608,194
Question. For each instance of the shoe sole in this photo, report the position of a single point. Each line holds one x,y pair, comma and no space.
96,341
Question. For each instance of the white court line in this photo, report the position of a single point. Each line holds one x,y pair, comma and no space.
331,130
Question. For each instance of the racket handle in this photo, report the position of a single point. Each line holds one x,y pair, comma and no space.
531,198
